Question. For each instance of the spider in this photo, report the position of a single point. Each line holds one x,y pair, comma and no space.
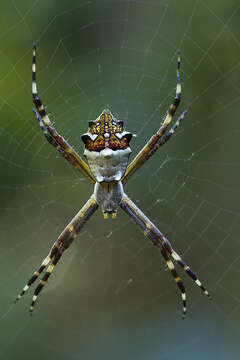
107,152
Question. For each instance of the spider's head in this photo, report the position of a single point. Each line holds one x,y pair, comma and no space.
106,132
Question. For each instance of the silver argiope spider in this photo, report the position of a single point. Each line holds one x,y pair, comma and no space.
107,151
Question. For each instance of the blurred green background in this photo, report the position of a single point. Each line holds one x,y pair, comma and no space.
111,295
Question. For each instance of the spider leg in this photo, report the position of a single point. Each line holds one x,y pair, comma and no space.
49,128
153,144
177,280
190,273
63,242
166,137
46,276
54,143
159,240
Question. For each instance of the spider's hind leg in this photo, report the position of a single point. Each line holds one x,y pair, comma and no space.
34,277
46,276
159,240
64,241
189,271
177,279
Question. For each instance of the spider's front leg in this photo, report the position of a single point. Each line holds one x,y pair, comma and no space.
159,240
51,134
62,243
158,139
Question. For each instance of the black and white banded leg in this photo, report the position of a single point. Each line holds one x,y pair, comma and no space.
159,240
62,243
47,127
157,140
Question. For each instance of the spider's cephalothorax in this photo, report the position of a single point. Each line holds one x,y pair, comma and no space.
107,151
106,132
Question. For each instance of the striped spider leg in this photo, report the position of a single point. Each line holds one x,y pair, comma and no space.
159,240
157,139
62,243
51,134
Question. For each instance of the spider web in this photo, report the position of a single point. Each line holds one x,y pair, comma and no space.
110,296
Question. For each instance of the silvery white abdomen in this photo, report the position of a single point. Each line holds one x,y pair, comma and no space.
109,196
108,166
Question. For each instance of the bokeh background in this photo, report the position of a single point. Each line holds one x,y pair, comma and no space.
111,296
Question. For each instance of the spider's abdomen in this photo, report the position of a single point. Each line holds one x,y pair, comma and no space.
108,195
108,165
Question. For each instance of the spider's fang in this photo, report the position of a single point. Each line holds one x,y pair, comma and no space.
105,216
